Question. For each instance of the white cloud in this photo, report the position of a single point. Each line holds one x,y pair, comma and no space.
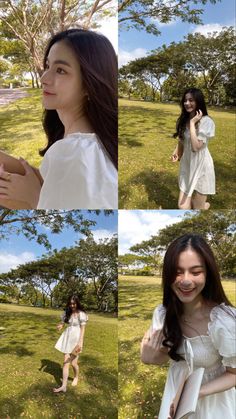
126,56
136,226
10,261
109,28
208,28
102,234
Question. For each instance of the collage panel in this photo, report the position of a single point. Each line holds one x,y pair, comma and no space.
177,105
58,105
177,314
58,311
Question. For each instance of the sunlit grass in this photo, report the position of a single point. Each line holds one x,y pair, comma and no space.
21,133
147,177
31,367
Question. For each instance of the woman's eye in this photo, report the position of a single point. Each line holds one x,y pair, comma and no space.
196,273
60,71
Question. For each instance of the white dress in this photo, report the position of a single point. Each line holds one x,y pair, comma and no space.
196,167
78,173
70,337
214,352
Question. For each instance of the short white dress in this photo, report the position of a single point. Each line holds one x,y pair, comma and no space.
70,337
214,352
196,167
78,173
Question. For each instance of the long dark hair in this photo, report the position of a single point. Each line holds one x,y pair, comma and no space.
184,116
68,310
212,292
98,63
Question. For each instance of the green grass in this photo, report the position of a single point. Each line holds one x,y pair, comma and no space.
21,132
147,177
141,386
31,367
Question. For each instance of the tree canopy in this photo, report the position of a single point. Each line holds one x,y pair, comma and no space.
145,14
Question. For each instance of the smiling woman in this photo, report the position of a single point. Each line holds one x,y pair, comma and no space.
194,328
79,168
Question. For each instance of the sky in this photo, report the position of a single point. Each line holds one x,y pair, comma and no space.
137,225
18,250
134,44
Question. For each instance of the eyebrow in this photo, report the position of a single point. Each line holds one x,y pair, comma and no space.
193,267
60,62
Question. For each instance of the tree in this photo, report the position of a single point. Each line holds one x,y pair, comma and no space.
145,14
217,227
213,57
28,222
33,22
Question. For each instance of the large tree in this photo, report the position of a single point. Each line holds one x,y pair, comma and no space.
145,14
28,222
33,22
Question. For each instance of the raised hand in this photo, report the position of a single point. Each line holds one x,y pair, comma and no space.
197,117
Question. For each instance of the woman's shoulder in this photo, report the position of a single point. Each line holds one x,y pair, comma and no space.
158,316
222,316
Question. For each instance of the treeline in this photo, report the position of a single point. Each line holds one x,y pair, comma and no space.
206,62
217,227
88,269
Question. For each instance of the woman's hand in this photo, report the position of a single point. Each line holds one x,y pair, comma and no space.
78,348
175,157
20,187
60,326
172,411
197,117
152,351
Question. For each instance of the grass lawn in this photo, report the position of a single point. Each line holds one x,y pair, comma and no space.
21,132
31,367
147,177
141,386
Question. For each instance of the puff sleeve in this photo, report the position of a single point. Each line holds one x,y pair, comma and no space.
158,318
222,331
206,129
83,318
62,317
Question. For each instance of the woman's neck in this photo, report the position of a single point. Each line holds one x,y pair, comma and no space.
195,307
75,122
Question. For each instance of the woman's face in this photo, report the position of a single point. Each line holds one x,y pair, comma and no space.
73,305
190,277
190,104
62,83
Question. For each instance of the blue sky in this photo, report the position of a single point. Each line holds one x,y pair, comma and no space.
135,44
18,249
138,225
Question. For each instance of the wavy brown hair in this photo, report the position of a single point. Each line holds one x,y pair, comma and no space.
213,290
184,116
68,310
98,64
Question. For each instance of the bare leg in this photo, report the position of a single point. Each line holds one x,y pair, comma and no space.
184,201
200,201
65,374
75,367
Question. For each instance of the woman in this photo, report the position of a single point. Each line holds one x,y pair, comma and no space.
194,327
71,341
194,128
79,168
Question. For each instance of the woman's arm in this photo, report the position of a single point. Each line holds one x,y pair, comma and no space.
178,152
226,381
196,143
152,351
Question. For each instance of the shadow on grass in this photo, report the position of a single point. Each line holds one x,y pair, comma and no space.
16,349
97,402
142,121
161,189
53,368
225,186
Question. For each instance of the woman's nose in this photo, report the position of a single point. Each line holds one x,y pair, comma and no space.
46,78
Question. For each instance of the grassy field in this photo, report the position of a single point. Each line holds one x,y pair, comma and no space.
147,177
31,367
21,132
141,386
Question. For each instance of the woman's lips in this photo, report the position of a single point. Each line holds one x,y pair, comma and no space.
48,93
186,292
